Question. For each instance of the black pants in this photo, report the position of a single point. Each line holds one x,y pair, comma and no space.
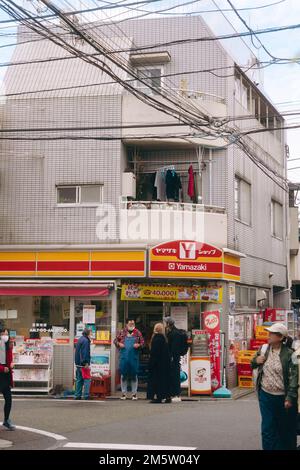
6,392
175,376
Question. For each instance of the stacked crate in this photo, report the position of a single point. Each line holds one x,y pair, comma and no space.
245,379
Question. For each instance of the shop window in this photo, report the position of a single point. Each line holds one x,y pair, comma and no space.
101,324
242,200
276,219
91,194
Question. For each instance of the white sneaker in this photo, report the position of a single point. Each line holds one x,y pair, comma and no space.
176,400
134,397
123,397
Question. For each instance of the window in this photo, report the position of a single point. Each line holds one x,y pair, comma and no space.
246,297
242,200
85,195
152,76
276,219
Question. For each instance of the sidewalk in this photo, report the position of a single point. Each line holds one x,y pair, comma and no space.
236,394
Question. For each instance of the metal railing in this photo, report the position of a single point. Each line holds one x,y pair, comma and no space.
182,93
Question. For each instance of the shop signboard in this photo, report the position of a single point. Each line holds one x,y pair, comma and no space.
211,323
184,366
169,293
200,376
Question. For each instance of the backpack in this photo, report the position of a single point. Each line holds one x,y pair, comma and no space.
184,345
263,351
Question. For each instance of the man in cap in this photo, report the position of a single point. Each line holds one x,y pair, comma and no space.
174,338
276,384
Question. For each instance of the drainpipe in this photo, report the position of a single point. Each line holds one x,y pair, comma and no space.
210,177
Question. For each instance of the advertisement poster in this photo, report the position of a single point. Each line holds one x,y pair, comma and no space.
211,322
89,314
200,376
161,293
180,315
92,327
100,361
232,297
184,366
231,327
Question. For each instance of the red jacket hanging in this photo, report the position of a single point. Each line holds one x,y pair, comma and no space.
191,184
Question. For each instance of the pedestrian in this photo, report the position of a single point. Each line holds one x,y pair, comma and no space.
82,359
159,367
277,383
6,376
129,341
174,338
297,361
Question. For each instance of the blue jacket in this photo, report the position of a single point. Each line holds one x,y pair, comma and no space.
83,351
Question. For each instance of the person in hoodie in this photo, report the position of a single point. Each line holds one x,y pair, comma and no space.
6,378
82,359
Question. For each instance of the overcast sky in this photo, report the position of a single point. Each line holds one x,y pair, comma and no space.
281,82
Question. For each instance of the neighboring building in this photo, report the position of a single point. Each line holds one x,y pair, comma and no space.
56,250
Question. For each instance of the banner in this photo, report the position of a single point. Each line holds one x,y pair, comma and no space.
211,323
161,293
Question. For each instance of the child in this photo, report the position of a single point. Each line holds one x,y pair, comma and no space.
86,375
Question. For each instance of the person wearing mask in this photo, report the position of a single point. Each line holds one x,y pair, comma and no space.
159,367
6,378
174,338
82,359
277,383
129,341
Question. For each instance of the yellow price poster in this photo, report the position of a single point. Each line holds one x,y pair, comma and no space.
103,335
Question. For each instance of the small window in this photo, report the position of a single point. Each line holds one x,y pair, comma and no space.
91,194
276,219
242,200
151,76
252,302
244,296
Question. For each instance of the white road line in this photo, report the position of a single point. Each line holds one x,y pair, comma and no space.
90,445
54,400
57,437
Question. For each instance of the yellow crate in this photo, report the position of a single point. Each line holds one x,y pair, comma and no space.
245,357
246,381
261,332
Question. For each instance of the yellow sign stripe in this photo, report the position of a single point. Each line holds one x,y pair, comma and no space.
17,273
118,256
175,258
231,277
232,260
17,256
63,256
190,274
117,273
63,273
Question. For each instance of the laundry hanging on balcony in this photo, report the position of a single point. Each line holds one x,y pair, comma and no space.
173,185
191,183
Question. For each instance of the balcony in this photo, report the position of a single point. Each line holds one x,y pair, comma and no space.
155,222
135,111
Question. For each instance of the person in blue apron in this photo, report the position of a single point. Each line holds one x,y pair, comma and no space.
129,342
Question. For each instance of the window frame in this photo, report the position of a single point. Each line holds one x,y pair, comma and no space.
78,202
141,86
274,220
237,200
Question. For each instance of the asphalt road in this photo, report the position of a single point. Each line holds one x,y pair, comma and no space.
223,425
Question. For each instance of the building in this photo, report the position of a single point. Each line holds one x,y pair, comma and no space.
61,251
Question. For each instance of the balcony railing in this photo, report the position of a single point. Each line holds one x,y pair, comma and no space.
182,93
167,206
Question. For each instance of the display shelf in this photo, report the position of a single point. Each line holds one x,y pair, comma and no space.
31,366
31,389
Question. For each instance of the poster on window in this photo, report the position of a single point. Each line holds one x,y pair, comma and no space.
211,322
89,314
184,374
180,315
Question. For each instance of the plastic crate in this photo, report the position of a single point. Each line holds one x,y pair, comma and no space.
100,387
245,357
244,370
245,381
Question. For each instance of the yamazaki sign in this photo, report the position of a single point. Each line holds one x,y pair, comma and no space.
191,259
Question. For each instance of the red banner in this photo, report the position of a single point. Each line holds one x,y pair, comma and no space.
211,324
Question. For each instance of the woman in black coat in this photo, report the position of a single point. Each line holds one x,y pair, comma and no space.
159,367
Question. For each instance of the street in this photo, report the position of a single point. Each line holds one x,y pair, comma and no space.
112,424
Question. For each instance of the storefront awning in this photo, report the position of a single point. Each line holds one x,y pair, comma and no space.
55,290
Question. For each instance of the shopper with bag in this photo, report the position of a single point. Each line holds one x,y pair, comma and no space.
276,384
296,357
159,367
87,378
177,342
82,358
6,377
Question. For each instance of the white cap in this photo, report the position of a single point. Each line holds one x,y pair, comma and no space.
278,328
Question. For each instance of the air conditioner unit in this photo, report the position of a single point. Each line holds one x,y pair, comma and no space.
129,185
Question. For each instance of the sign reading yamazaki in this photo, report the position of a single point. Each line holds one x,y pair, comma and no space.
185,258
169,293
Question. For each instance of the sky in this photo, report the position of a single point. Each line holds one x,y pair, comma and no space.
280,82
